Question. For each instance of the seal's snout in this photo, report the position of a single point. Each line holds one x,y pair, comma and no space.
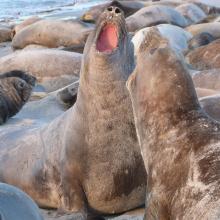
114,10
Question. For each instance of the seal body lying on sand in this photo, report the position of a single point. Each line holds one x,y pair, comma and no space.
15,204
14,93
205,57
180,144
153,15
201,39
52,33
56,70
24,24
87,159
192,13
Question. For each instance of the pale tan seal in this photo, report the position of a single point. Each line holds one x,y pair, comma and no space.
88,159
212,28
15,204
53,69
5,33
180,144
24,24
208,79
193,13
153,15
205,57
203,92
53,33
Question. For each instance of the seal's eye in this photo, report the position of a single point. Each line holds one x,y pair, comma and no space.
21,85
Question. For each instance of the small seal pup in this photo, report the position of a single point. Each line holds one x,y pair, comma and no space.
88,159
14,93
16,205
180,144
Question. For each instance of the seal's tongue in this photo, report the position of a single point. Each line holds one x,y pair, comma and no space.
108,39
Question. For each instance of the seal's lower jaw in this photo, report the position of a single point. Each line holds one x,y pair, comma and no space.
108,39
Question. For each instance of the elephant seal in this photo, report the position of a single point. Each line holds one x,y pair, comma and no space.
88,159
68,95
128,7
208,79
20,74
53,34
53,69
201,39
15,204
180,144
5,34
205,57
203,92
208,6
14,93
153,15
212,28
177,37
24,24
193,13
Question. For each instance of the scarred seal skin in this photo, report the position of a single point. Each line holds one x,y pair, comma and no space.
15,204
87,160
15,90
179,142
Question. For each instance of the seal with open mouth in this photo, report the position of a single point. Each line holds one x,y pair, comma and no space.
87,160
180,144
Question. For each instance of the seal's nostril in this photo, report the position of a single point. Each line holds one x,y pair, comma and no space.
110,8
117,11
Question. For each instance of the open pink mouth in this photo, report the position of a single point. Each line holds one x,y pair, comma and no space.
108,39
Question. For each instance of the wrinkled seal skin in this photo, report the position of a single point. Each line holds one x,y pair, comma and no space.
15,204
14,93
180,144
89,158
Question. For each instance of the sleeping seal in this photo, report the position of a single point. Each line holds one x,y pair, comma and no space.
180,144
88,159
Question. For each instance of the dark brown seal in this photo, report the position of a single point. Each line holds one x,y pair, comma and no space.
14,93
88,158
180,144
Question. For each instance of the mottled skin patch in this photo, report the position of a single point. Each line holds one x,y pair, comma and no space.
88,160
179,142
